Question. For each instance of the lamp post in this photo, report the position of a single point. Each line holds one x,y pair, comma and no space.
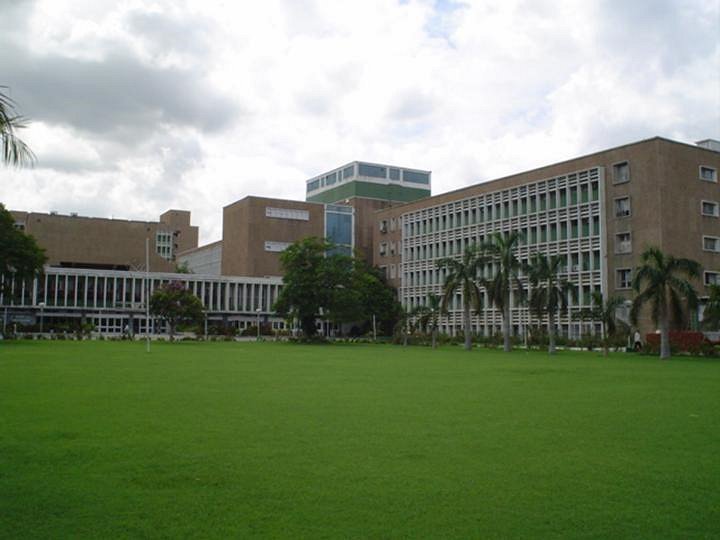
258,310
41,305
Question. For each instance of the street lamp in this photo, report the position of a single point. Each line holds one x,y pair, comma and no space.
258,310
41,305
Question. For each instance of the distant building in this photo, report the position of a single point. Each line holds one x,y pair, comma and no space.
73,241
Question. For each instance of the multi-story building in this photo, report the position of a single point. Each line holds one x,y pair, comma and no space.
598,212
73,241
368,187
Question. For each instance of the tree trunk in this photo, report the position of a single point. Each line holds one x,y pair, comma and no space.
551,333
506,324
466,326
172,330
664,338
434,337
604,339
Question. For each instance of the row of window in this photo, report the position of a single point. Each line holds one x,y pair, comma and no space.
621,173
369,171
519,207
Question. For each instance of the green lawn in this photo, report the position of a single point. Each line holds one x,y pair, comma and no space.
226,440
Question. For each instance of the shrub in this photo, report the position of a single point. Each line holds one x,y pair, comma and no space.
680,340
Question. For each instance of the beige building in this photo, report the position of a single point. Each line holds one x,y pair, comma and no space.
597,211
73,241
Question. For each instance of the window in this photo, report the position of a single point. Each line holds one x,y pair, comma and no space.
348,171
416,177
330,179
623,278
383,249
164,244
623,243
711,278
383,226
372,171
711,243
622,207
621,172
276,247
709,174
287,213
394,174
312,186
709,208
19,226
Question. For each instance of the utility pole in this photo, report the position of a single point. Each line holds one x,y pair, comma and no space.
147,294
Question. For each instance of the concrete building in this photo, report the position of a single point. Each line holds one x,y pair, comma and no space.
72,241
597,211
368,187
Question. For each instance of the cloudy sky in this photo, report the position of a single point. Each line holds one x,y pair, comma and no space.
143,105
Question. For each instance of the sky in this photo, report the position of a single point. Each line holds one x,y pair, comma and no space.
138,106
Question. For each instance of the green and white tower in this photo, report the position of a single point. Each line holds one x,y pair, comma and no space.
369,181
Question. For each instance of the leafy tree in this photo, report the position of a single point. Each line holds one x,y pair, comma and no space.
604,311
175,304
427,316
336,287
20,255
548,293
501,249
659,282
14,150
462,275
308,280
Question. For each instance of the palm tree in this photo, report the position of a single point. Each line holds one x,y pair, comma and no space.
664,290
604,311
549,293
14,151
462,274
427,316
711,313
501,250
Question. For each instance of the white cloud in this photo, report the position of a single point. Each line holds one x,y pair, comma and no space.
237,98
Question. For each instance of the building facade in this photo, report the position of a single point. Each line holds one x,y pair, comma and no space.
72,241
597,212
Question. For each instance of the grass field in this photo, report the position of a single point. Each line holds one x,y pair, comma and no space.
225,440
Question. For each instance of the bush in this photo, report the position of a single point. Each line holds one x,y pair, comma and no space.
680,340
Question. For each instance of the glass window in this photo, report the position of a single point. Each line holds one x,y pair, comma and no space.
710,208
416,177
330,179
712,278
621,172
394,174
348,171
622,207
338,228
372,171
623,277
711,243
709,174
312,186
623,243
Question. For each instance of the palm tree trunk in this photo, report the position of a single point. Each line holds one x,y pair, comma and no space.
604,339
551,333
466,326
664,338
506,325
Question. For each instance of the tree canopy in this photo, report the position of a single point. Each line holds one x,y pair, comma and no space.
175,304
20,254
342,289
